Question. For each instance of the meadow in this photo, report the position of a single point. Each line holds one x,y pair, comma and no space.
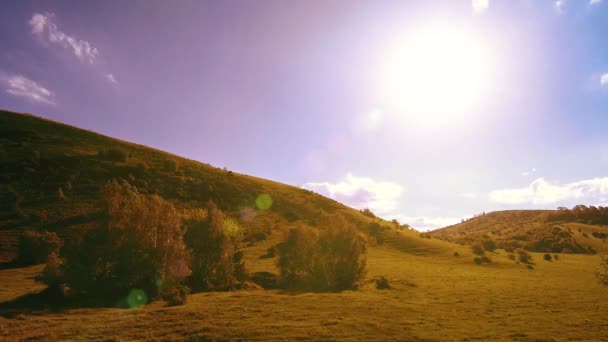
434,296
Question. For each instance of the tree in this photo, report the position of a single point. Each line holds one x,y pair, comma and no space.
333,259
139,245
214,241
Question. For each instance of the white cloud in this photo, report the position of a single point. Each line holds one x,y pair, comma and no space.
361,192
595,2
423,223
469,195
111,78
480,6
559,5
604,79
529,172
24,87
42,25
543,192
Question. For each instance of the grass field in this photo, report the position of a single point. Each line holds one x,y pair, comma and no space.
434,296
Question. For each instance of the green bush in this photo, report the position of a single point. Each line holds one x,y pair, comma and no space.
489,245
482,260
523,256
139,245
547,257
382,283
215,242
478,249
35,247
456,254
330,260
169,165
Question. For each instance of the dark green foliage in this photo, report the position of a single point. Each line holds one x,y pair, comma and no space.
482,260
580,213
266,280
530,267
456,254
138,246
425,235
35,247
523,256
215,243
114,154
169,165
555,257
547,257
599,235
175,295
382,283
368,213
489,245
511,256
477,249
330,260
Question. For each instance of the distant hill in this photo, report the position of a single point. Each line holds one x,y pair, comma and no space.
51,174
534,230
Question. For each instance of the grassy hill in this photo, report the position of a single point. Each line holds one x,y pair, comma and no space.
51,175
534,230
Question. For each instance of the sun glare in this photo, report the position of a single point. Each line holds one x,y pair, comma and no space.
436,74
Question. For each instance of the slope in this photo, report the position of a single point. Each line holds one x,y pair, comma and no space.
534,230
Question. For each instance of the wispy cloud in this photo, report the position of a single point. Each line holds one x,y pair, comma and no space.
361,192
43,26
604,79
24,87
559,6
111,78
595,2
542,192
480,6
529,172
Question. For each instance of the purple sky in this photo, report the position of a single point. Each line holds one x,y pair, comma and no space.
289,91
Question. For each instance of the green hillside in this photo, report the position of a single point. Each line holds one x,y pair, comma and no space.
533,230
51,175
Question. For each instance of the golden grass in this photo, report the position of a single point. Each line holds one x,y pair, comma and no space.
433,297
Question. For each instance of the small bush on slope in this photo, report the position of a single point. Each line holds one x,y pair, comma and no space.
330,260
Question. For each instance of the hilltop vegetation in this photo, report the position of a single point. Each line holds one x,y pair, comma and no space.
580,230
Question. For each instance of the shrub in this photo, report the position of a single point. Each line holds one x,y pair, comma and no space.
35,247
477,249
176,295
530,267
547,257
382,283
511,256
334,259
555,257
482,260
524,256
368,213
489,245
139,245
425,235
456,254
215,243
266,280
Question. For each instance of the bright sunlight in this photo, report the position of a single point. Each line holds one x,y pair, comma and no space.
435,73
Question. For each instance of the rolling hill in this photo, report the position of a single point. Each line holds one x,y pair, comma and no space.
51,175
533,230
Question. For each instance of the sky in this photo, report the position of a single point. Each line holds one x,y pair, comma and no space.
428,112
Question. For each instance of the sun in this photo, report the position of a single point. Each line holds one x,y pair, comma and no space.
436,74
